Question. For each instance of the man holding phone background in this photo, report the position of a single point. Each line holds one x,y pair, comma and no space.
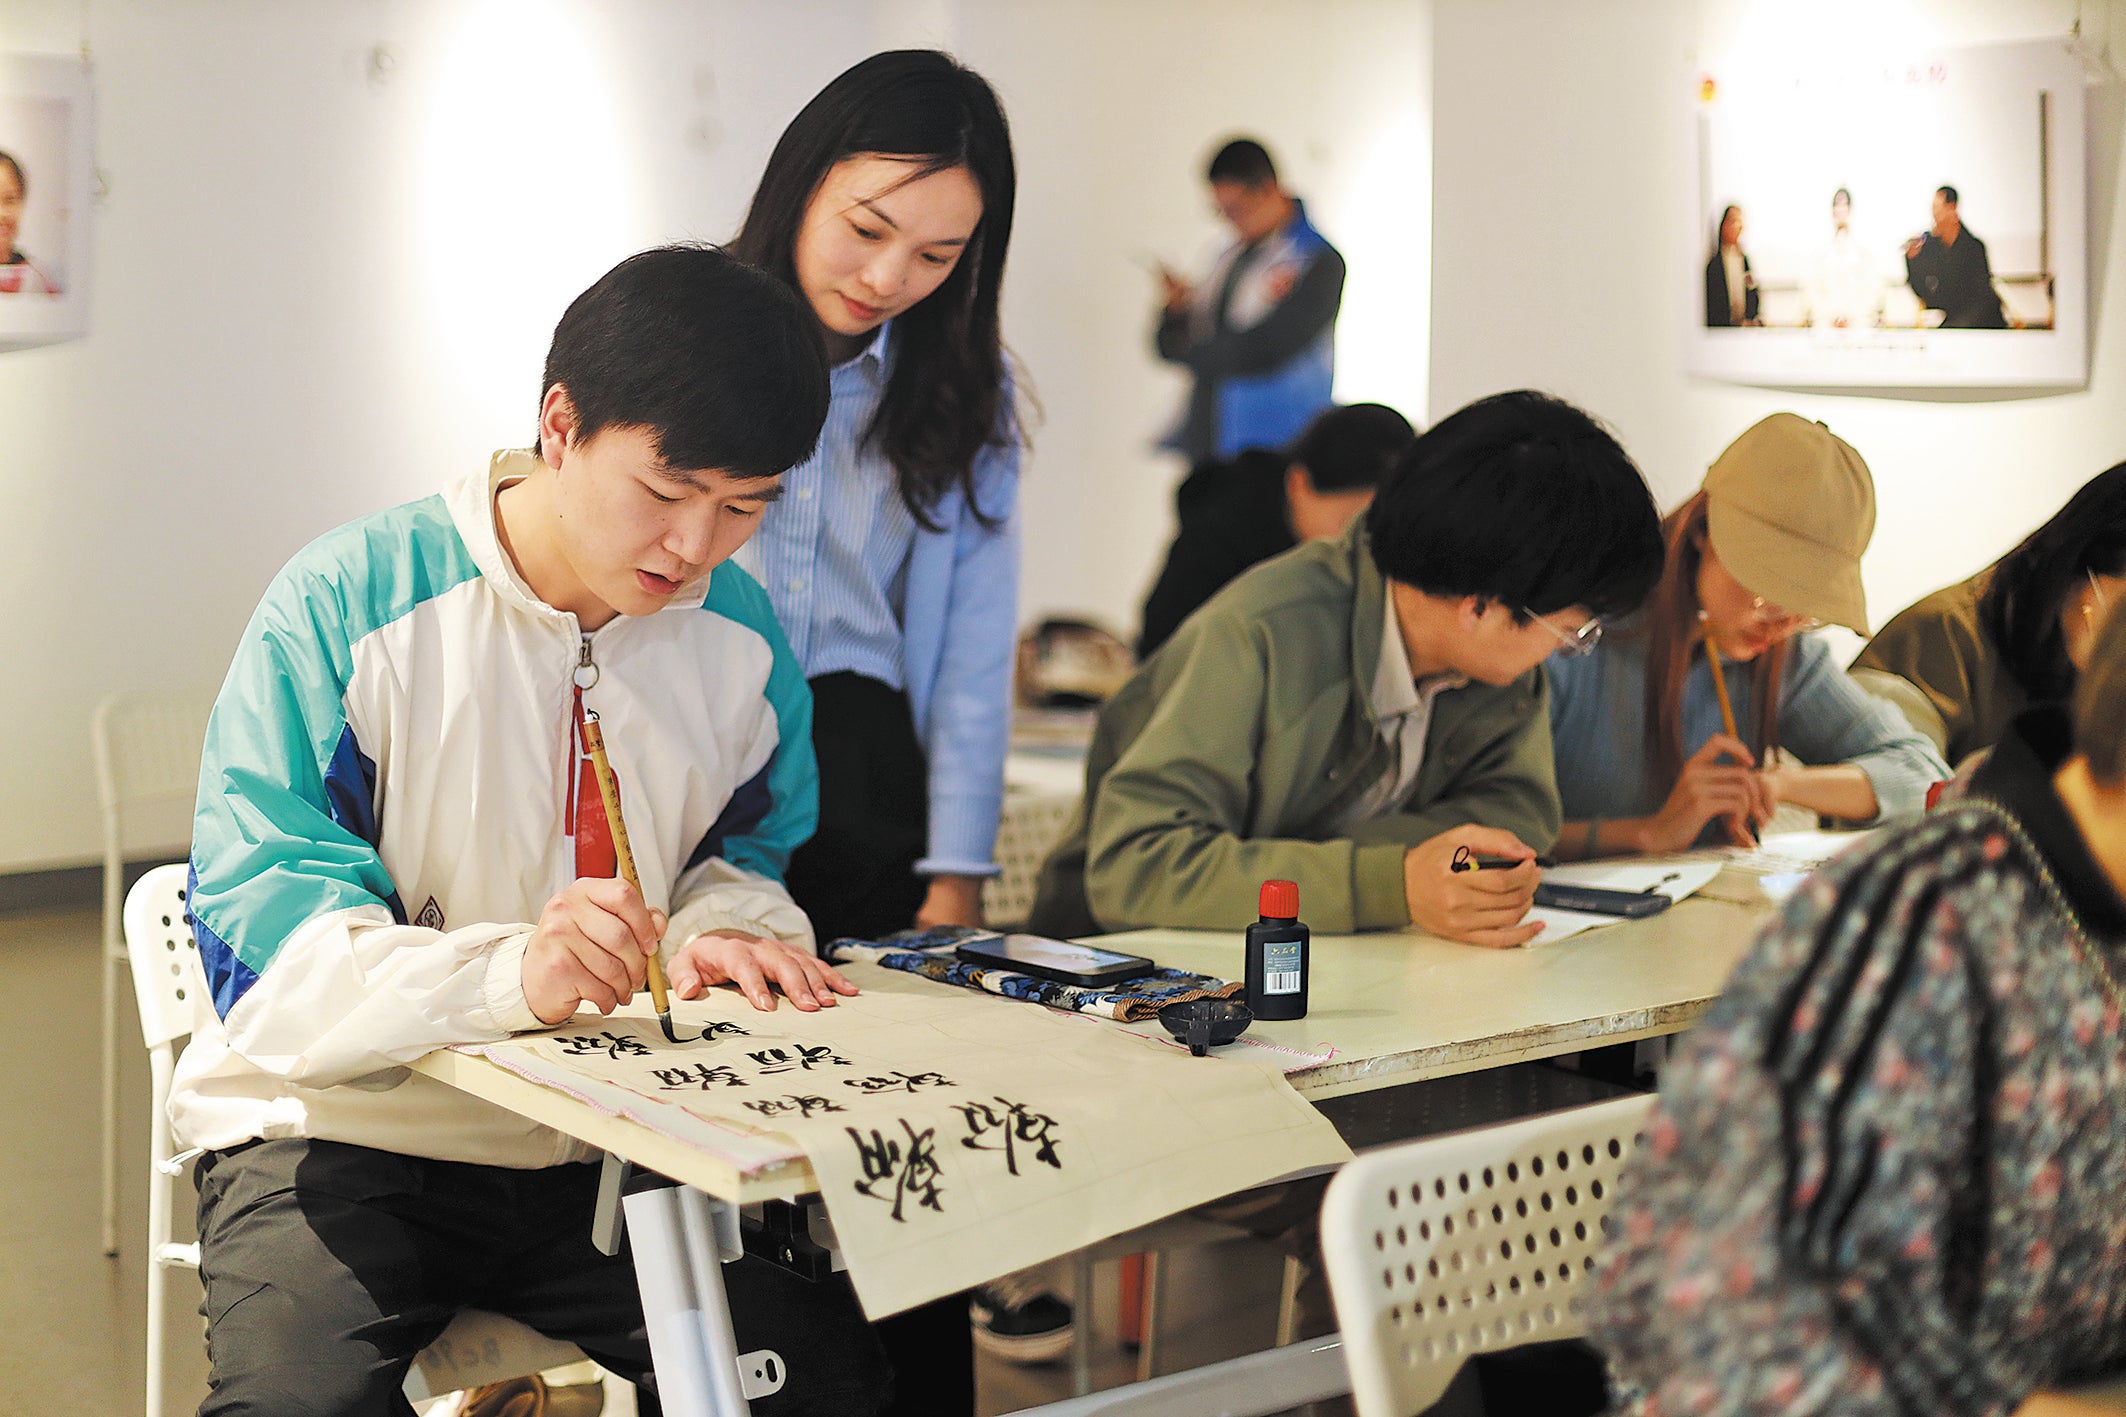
1349,714
1257,334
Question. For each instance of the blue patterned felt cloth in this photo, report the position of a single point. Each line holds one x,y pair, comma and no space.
930,954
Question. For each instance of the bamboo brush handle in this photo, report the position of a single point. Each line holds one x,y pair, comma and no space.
609,792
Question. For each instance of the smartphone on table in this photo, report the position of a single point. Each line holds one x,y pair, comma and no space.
1633,905
1058,960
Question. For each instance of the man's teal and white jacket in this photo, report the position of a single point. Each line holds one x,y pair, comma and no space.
382,810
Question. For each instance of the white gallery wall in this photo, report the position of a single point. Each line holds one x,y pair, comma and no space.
336,235
1563,219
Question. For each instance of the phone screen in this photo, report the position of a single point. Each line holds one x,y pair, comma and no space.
1058,957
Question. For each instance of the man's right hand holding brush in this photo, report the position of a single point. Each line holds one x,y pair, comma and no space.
593,941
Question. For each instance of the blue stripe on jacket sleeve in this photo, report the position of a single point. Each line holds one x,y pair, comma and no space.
350,790
741,816
791,815
228,978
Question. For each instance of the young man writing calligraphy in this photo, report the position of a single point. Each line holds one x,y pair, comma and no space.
400,846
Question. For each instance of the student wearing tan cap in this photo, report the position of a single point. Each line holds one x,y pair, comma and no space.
1766,550
1884,1176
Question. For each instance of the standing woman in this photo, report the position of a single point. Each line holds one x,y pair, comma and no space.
893,557
1730,287
1768,549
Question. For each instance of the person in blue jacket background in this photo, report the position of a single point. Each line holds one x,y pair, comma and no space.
1258,333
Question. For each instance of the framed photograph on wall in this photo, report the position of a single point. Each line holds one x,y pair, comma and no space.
47,179
1904,225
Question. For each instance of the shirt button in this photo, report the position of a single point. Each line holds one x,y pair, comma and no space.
796,583
804,494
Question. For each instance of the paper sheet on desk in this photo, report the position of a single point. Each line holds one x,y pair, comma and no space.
1786,853
1673,878
954,1137
1777,865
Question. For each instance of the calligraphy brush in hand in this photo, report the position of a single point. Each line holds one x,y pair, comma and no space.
609,792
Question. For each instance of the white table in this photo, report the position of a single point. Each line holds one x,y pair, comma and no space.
1401,1007
1396,1007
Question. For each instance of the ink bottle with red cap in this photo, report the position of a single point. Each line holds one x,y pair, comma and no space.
1277,955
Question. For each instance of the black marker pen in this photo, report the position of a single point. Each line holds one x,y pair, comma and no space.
1467,860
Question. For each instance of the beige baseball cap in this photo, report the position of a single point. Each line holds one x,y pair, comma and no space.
1790,508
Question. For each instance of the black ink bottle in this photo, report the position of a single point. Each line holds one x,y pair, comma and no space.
1278,946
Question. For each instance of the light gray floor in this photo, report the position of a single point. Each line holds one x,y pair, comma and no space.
72,1323
1221,1302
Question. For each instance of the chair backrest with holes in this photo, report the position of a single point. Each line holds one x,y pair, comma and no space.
1476,1240
1031,825
167,977
146,745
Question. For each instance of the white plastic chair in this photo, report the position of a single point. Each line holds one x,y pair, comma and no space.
170,985
1459,1244
146,746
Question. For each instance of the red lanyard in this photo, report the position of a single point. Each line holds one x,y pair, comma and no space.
593,834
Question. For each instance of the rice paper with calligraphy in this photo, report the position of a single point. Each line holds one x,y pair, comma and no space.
955,1137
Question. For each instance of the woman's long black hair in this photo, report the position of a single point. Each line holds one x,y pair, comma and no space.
1720,224
2020,609
946,398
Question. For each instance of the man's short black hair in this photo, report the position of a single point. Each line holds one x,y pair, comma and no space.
721,363
1351,447
1947,194
1522,499
1244,161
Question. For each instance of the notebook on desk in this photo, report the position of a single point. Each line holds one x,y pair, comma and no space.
1672,877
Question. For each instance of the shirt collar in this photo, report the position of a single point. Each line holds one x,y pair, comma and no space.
872,356
471,499
1395,690
2018,775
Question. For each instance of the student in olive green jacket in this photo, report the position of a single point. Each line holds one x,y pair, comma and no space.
1348,714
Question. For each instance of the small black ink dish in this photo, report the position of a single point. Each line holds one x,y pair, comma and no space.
1203,1024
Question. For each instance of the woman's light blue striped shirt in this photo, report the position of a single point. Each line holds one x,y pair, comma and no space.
833,553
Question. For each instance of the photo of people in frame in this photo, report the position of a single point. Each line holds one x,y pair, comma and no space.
45,187
1893,223
19,275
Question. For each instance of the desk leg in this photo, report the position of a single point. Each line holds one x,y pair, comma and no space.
1081,1339
679,1269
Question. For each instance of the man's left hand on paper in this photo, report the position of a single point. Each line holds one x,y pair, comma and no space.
754,964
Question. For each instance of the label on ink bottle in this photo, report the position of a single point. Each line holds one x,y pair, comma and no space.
1281,967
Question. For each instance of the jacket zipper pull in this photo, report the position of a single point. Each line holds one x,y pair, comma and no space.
586,675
